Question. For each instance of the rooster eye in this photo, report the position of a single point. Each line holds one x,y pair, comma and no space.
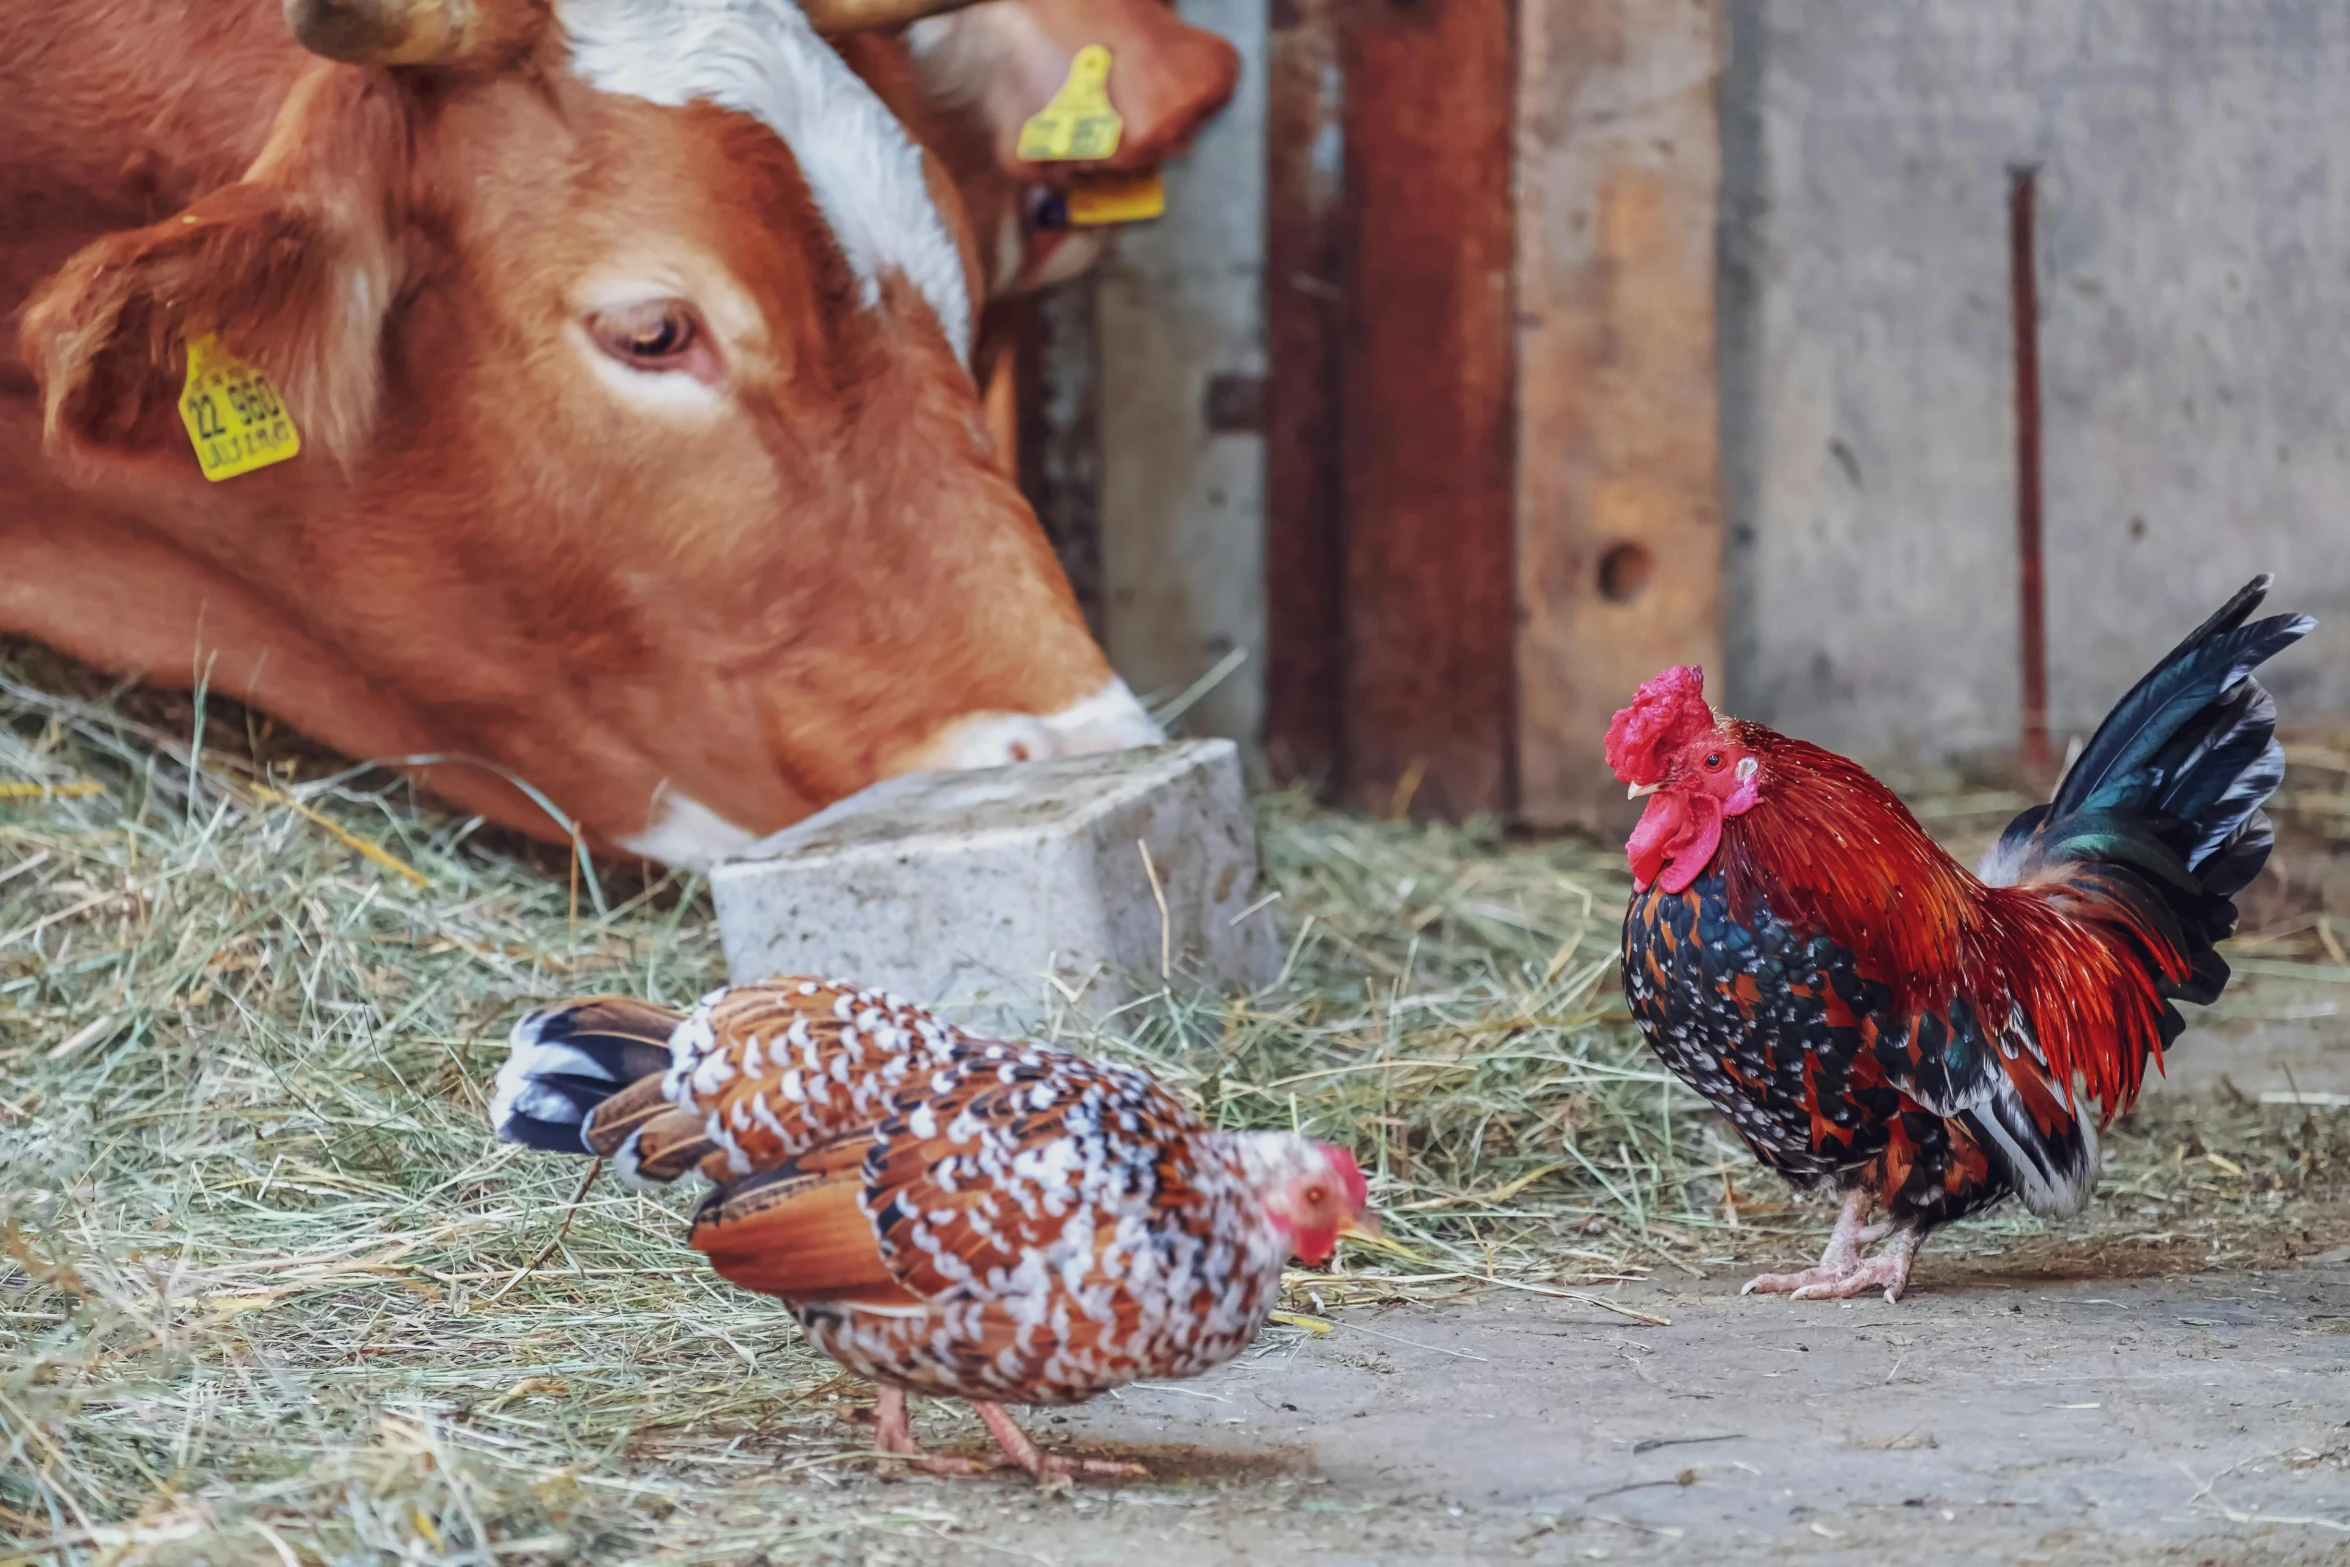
1713,761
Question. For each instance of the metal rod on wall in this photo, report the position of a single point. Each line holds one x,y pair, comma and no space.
2024,302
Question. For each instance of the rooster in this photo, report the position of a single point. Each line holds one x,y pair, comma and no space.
944,1214
1871,1016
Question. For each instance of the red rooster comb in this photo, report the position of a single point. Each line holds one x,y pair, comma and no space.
1668,713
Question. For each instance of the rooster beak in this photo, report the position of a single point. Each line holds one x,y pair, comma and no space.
1637,790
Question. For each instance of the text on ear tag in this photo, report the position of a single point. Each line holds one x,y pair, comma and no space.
1098,199
1078,125
234,416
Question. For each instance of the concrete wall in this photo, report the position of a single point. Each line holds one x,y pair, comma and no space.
1180,303
2195,345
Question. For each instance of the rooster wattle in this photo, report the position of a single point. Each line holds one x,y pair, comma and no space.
944,1214
1871,1016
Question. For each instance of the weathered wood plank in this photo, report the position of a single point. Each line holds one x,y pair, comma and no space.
1618,503
1426,382
1304,275
1058,390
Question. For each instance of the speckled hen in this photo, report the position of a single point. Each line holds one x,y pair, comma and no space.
1871,1017
944,1214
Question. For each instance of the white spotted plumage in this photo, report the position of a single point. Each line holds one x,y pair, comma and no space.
1049,1226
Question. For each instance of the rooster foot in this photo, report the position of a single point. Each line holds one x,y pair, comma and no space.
1052,1471
1793,1283
1840,1277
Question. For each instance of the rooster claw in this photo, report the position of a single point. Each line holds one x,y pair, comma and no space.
1887,1273
1791,1283
1839,1277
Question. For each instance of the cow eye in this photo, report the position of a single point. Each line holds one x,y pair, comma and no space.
659,334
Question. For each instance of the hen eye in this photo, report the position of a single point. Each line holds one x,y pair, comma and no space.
1713,761
1316,1196
658,334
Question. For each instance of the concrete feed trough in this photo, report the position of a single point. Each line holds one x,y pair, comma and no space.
965,890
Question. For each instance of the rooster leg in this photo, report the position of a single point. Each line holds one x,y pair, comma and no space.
1047,1466
1888,1269
1841,1257
893,1433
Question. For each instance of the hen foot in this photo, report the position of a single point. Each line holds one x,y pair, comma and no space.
893,1433
1048,1467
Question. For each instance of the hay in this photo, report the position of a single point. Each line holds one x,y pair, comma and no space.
271,1293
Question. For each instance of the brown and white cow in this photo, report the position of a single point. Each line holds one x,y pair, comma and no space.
626,339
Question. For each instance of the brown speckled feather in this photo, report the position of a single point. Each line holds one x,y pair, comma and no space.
946,1213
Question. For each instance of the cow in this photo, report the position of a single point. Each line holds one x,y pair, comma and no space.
641,471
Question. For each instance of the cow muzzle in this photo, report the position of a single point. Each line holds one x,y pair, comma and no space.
1109,720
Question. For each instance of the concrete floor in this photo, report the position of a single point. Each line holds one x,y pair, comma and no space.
1989,1417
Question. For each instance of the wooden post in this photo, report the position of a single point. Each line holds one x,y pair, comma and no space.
1618,502
1305,270
1425,382
1058,380
2023,261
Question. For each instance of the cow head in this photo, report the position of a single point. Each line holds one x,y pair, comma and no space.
626,341
987,68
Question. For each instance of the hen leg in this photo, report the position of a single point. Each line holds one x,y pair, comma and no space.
893,1433
1838,1261
1047,1466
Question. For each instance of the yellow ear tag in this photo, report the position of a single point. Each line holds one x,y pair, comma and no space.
1079,125
234,416
1097,199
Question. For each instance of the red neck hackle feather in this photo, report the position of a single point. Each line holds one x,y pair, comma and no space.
1832,851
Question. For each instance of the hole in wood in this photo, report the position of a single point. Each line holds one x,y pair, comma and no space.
1624,572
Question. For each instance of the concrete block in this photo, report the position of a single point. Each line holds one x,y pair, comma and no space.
965,890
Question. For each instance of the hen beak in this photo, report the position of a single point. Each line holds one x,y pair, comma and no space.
1635,791
1365,1225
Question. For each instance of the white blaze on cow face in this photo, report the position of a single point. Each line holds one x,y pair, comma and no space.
760,57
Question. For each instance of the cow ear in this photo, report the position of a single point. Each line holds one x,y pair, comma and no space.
290,275
1006,60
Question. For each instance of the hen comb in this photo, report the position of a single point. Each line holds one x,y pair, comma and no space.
1668,713
1350,1174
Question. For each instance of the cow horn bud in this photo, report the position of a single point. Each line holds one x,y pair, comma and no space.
856,16
385,32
